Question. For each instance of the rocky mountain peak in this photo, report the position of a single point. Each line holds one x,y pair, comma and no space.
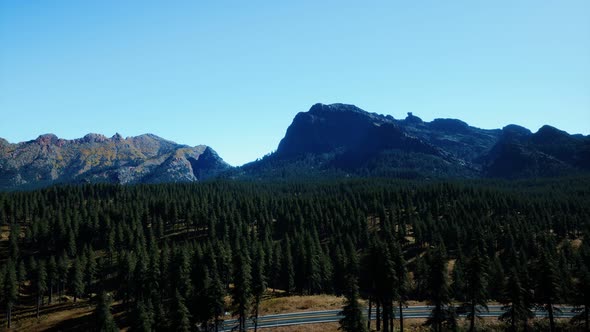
96,158
94,138
450,125
117,137
345,137
47,139
548,134
412,119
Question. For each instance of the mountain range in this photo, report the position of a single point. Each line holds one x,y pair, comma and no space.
328,140
95,158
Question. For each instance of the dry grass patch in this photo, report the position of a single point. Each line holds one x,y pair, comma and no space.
577,243
287,304
51,316
4,233
324,327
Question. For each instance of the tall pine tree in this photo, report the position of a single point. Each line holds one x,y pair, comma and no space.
476,279
352,312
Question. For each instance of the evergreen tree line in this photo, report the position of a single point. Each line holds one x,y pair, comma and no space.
171,254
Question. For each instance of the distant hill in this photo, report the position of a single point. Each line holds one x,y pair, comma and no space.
95,158
339,139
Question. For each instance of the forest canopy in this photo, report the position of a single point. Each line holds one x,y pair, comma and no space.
173,252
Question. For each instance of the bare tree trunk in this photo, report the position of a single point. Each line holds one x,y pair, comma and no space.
9,315
586,325
378,304
391,317
378,312
401,316
369,315
551,319
472,319
256,314
386,311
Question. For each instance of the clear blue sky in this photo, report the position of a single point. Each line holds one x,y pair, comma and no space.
232,74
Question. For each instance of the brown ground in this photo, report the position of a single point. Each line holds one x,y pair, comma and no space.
286,304
326,327
52,317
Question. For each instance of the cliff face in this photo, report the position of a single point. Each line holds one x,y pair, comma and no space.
96,158
344,137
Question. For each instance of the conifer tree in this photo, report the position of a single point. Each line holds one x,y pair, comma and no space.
40,284
547,287
242,291
496,279
458,284
77,279
516,307
353,320
21,275
2,276
369,266
582,298
258,281
180,271
386,283
104,318
13,251
90,270
438,290
217,295
276,267
476,279
10,291
63,269
402,280
51,276
288,272
143,317
180,313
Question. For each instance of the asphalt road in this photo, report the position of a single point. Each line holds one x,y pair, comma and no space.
326,316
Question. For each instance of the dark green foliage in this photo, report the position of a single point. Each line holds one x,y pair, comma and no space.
438,290
496,279
353,320
458,284
52,276
39,283
104,319
517,302
10,291
258,281
63,269
90,270
582,297
242,291
21,274
476,280
145,242
216,294
143,317
180,314
77,279
547,286
13,237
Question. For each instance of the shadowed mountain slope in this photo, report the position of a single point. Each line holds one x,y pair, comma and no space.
346,140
